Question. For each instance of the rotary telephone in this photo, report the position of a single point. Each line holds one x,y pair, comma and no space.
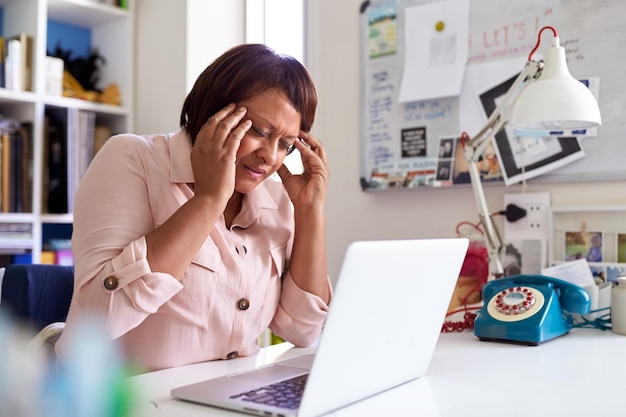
529,309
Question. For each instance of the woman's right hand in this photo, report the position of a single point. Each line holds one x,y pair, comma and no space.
214,154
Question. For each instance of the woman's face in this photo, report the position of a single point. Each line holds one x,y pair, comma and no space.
275,128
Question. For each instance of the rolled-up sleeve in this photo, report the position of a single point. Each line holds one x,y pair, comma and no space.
300,315
137,290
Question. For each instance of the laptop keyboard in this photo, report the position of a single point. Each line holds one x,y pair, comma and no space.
284,394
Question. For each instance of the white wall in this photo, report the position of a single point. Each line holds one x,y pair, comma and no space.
332,56
160,66
213,26
176,40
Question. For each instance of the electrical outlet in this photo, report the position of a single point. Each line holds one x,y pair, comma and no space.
534,225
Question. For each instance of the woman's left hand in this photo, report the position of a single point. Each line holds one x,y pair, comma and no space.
309,188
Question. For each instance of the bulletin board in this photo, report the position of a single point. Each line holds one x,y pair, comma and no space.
416,143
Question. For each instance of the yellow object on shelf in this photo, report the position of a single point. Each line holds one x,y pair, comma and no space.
72,88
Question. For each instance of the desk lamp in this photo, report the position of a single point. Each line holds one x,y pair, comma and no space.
543,97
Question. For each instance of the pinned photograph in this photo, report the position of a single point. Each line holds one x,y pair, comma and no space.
584,245
446,146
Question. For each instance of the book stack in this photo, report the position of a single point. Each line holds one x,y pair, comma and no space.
16,242
80,140
15,167
70,142
16,62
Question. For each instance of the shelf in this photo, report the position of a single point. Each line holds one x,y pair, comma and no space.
18,244
17,217
51,120
75,103
83,13
10,96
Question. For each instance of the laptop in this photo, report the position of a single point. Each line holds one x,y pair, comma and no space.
383,323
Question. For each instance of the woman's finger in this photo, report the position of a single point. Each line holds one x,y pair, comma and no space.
221,125
233,139
309,145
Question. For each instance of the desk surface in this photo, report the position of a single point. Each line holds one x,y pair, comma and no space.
580,374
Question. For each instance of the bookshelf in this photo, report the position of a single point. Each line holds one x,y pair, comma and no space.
109,29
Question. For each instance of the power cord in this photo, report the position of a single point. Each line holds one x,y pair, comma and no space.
458,326
602,322
513,213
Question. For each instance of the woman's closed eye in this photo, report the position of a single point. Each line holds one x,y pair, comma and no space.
288,147
261,133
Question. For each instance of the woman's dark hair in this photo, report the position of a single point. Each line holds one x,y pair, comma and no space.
242,72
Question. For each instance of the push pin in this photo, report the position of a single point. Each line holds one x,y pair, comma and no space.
439,26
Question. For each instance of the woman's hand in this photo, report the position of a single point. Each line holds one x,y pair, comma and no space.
173,244
309,188
215,150
307,191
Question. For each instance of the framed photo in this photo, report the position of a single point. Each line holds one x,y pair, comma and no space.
620,247
587,245
548,152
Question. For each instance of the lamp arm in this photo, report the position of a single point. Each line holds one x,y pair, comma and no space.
499,117
474,149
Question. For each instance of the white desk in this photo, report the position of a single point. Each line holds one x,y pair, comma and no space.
580,374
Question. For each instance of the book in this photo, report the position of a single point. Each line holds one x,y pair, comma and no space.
2,61
16,169
24,169
45,164
5,172
24,62
56,167
80,142
100,135
13,61
16,180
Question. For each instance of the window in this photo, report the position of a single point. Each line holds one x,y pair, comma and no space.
278,24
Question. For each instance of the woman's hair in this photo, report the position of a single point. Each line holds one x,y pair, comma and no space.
243,72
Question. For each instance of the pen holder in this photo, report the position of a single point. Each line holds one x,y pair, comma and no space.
618,306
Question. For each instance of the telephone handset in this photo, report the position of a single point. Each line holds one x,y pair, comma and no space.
529,309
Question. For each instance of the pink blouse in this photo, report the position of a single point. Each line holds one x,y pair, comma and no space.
237,286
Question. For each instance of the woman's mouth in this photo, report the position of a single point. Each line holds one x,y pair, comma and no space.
255,172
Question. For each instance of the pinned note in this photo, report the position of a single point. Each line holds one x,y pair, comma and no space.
435,60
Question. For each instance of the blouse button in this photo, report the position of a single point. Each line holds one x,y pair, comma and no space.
232,355
243,304
111,283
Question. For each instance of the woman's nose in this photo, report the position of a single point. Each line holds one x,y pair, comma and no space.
268,151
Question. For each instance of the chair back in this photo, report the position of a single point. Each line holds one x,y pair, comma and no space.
37,294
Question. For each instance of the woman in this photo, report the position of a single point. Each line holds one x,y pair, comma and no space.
185,249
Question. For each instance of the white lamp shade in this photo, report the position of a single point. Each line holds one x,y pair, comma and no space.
555,101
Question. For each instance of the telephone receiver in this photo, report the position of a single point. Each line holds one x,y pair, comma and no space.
529,309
